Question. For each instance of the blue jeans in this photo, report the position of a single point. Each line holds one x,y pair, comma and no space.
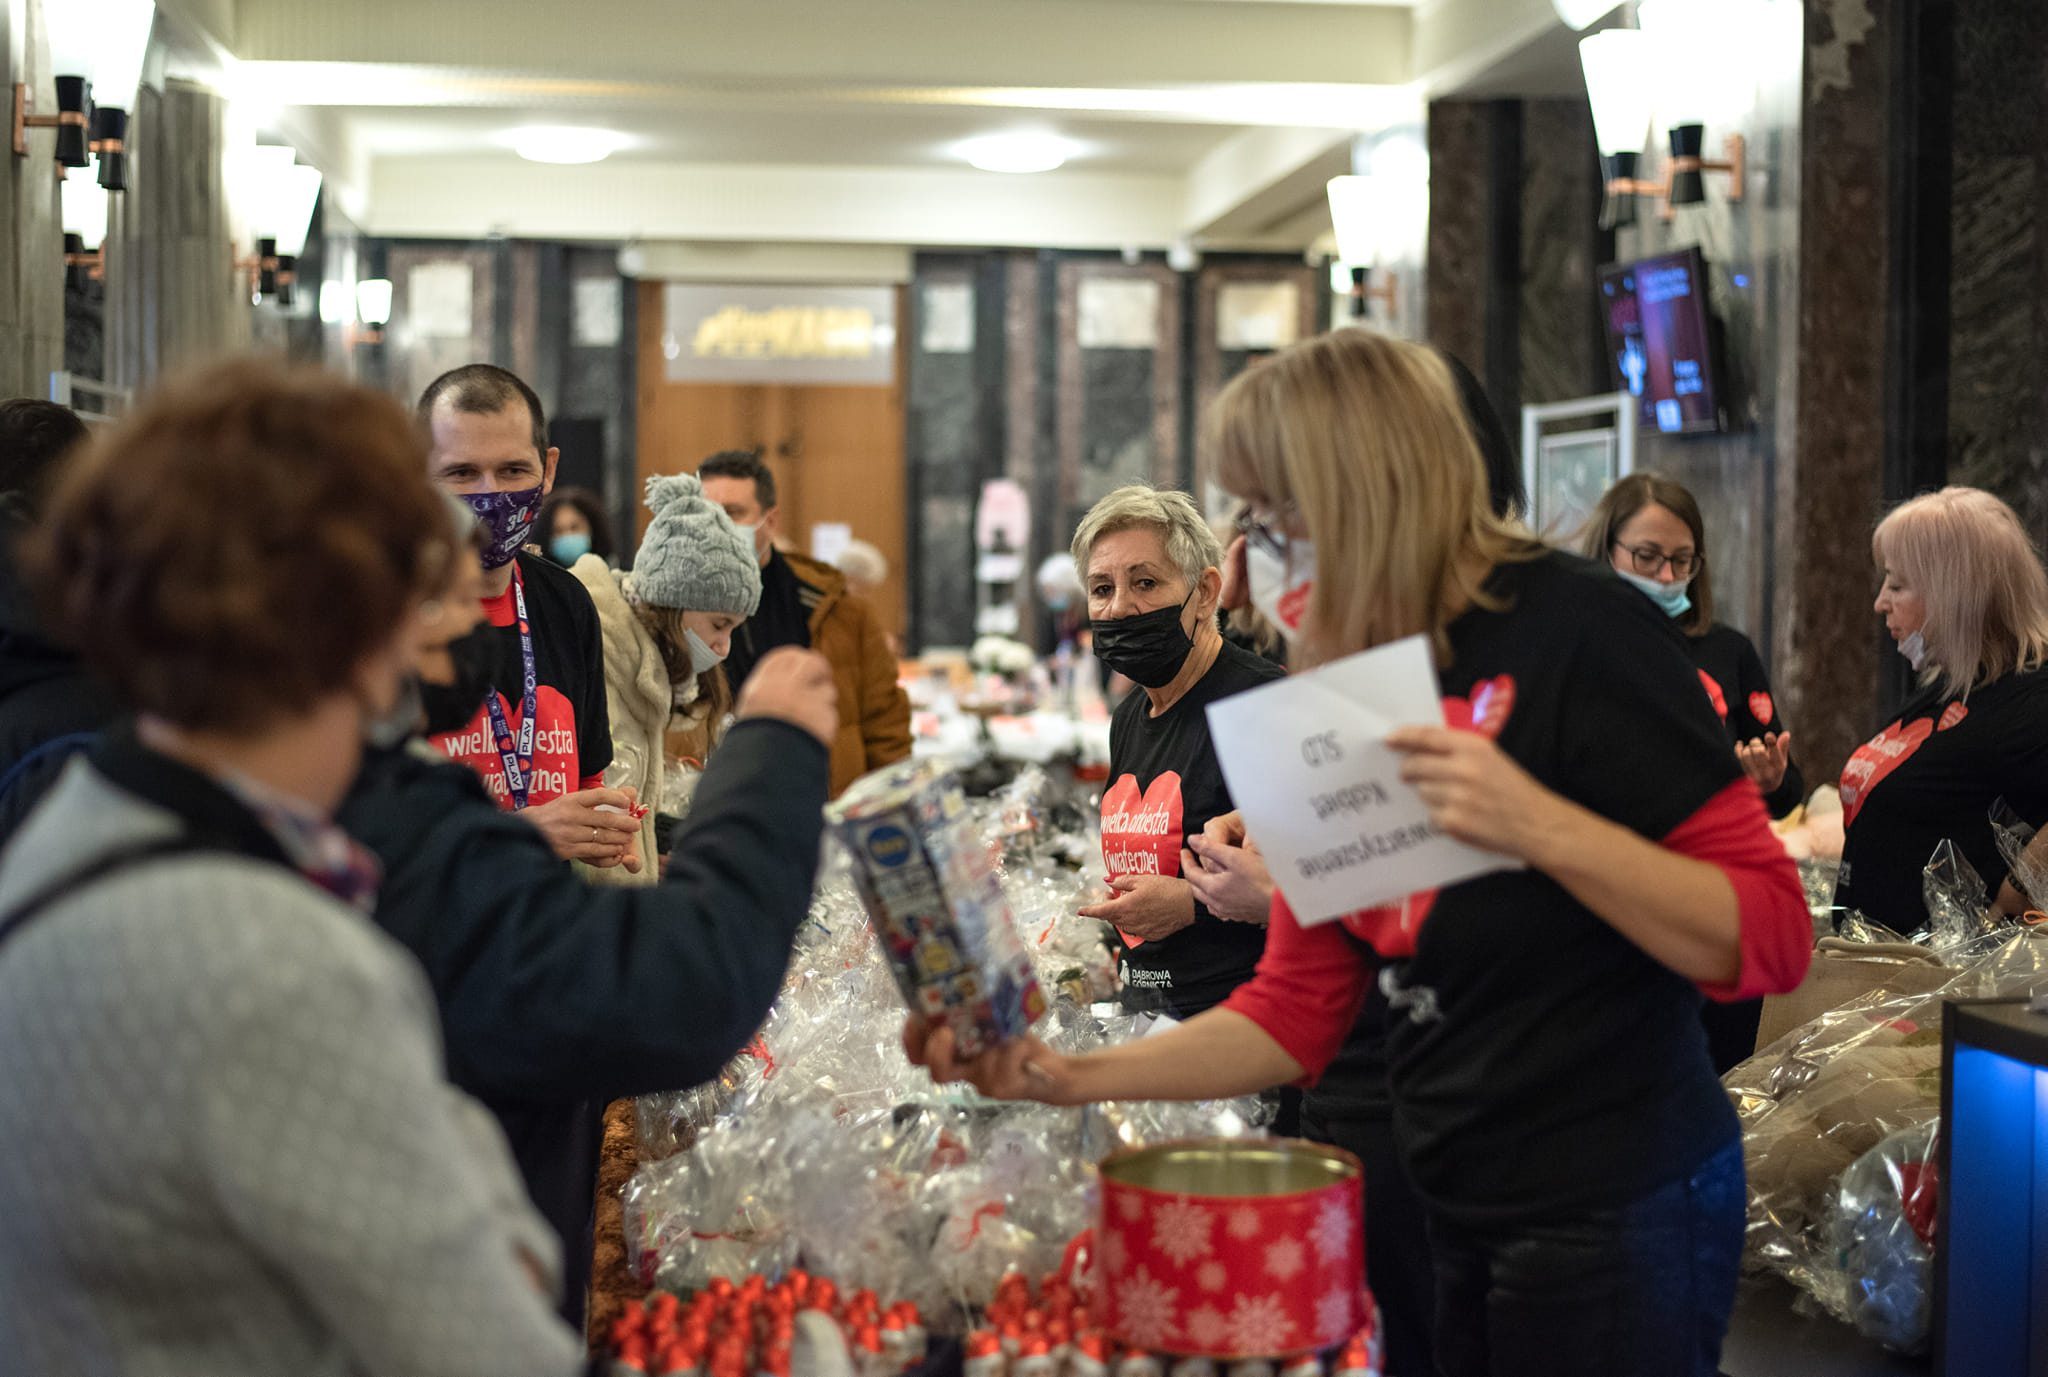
1641,1290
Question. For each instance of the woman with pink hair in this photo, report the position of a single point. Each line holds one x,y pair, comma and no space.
1966,601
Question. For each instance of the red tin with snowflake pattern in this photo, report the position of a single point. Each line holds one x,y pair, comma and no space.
1233,1247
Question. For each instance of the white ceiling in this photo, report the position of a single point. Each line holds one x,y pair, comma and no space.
1209,120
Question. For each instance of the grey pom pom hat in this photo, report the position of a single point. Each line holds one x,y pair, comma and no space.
693,558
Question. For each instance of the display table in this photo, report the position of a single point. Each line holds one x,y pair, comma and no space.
1768,1339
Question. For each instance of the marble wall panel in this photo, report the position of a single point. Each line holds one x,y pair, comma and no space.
1561,350
1998,324
1828,664
945,402
1460,199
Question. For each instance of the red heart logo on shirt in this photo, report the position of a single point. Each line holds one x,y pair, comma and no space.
1487,710
1714,695
1141,831
1951,715
1762,708
1876,759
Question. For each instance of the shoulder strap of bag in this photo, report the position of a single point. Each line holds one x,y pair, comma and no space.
55,746
105,868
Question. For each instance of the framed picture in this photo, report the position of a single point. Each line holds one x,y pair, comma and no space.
1572,453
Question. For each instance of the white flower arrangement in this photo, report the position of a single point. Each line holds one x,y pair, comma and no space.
1001,655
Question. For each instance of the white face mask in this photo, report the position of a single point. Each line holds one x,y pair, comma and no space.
1914,648
752,533
1280,587
702,657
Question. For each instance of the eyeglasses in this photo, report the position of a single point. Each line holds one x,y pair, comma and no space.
1648,559
1265,532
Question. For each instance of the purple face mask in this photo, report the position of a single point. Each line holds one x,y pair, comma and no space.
507,519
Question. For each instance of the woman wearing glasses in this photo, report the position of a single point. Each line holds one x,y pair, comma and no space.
1649,529
1579,1162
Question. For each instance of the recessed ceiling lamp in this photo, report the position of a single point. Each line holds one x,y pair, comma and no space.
1022,152
552,143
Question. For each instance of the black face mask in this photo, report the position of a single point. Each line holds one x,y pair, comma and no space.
449,707
1147,649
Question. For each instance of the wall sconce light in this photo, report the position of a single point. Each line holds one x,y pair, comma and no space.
85,230
1368,211
1622,79
361,311
280,196
373,309
97,48
1687,187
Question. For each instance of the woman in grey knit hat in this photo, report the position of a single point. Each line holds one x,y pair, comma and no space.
667,627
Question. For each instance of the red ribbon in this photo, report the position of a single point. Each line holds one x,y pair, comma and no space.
990,1211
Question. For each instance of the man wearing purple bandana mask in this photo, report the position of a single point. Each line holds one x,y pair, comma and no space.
542,740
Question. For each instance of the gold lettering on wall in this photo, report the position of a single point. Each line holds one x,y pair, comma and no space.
786,332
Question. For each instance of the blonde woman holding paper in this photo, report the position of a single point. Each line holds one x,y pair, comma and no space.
1579,1163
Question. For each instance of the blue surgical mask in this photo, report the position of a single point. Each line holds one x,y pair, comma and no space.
569,547
1672,597
1914,648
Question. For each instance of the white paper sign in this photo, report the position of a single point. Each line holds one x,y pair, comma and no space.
1322,794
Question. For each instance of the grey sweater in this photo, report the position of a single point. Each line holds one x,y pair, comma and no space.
225,1142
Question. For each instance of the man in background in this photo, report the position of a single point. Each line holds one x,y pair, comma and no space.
805,603
50,707
542,739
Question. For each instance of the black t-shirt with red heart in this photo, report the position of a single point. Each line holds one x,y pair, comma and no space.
1733,675
1165,786
1539,1059
1932,775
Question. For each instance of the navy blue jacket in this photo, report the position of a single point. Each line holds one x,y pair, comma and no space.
557,996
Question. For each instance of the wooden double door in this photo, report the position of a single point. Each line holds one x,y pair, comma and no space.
836,452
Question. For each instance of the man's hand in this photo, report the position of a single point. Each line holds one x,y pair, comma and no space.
794,686
1146,906
1765,759
1230,880
579,829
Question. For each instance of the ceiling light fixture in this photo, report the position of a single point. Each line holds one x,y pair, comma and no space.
565,144
1016,153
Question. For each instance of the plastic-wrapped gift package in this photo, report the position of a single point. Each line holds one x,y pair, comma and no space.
821,1146
1824,1097
931,891
1882,1234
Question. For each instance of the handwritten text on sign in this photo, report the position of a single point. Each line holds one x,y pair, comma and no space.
1321,793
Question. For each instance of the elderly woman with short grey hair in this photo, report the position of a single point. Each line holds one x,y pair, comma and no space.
1150,568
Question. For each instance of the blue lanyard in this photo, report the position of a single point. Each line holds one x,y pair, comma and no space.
518,760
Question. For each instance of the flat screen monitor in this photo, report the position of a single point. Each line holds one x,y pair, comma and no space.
1660,340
